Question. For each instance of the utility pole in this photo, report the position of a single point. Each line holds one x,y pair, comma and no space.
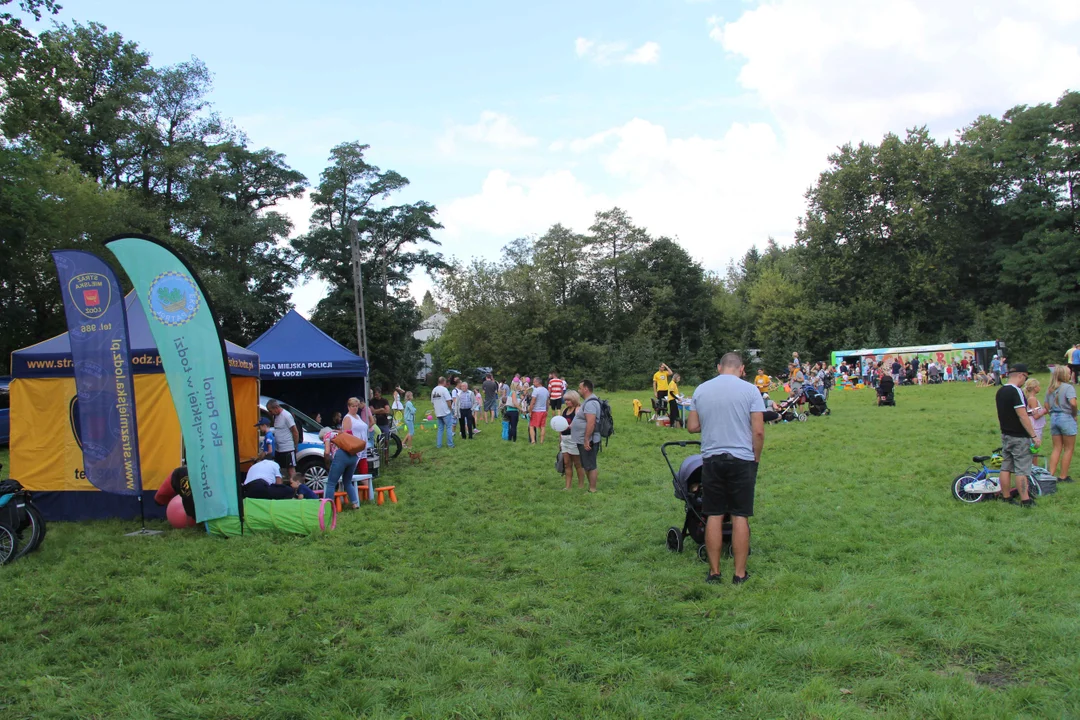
358,302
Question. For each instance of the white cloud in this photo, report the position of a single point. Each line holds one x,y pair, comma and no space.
298,210
825,72
608,53
582,46
718,196
493,129
716,28
851,70
647,54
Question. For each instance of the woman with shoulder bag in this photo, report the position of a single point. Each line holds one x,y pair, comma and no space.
346,450
1061,401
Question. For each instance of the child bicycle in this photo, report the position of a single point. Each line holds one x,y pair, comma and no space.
976,484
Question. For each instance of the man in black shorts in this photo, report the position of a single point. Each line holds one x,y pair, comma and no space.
728,412
286,437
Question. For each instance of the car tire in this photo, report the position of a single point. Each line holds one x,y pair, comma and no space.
314,473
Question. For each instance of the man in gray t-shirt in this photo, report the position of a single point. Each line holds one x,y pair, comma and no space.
491,398
728,412
585,433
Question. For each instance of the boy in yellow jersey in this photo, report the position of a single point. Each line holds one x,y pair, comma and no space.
762,381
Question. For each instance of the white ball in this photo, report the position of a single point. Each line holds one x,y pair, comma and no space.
559,424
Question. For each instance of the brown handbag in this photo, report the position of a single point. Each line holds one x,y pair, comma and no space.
349,443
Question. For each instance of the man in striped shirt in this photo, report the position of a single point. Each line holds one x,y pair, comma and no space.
464,402
557,388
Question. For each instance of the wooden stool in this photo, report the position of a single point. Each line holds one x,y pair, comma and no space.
383,490
338,497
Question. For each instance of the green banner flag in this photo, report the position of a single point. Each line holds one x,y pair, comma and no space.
194,359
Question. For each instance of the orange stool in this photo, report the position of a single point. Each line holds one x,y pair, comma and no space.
384,490
362,490
338,497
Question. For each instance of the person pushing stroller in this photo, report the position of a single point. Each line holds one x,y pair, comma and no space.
728,411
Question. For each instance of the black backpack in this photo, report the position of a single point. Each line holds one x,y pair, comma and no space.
605,423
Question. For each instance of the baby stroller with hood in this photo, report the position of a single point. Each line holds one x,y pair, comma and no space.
815,401
885,394
687,482
788,410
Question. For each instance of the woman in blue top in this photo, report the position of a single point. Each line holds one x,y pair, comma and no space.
409,419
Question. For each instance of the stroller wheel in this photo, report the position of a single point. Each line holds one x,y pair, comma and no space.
702,554
802,417
674,539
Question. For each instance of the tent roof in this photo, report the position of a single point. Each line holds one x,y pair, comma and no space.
52,357
294,348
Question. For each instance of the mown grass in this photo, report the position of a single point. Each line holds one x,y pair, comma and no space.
490,592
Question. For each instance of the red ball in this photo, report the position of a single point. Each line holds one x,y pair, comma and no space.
178,518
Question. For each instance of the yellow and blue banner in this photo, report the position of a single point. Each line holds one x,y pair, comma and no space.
195,361
103,409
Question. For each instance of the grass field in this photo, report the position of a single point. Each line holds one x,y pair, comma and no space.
489,592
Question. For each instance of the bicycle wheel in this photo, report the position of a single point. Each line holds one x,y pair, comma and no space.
32,534
9,545
393,445
958,490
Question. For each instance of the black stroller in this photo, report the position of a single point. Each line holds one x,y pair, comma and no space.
815,401
687,483
885,395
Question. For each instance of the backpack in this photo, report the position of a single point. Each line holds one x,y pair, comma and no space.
605,423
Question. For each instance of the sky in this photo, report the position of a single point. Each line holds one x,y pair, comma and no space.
706,120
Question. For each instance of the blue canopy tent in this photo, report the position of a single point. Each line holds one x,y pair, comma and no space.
308,369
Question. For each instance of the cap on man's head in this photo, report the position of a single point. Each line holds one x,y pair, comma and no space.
1019,368
263,421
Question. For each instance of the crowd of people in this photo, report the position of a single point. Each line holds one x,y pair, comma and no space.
728,413
533,399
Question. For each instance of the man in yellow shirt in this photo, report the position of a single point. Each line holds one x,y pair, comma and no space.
762,381
660,382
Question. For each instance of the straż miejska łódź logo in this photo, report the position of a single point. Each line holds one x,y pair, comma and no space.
174,299
91,294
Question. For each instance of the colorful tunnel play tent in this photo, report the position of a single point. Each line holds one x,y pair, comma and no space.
45,453
308,369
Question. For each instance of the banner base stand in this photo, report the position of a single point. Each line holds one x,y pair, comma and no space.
144,531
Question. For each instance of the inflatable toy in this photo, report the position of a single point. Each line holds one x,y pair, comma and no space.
176,515
558,423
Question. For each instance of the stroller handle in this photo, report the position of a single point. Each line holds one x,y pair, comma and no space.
679,443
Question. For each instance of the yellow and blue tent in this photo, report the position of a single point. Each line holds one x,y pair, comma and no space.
46,456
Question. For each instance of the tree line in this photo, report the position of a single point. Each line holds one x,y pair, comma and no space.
907,241
96,141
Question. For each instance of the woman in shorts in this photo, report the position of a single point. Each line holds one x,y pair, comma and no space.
1061,402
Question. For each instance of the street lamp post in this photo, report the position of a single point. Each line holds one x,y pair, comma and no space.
358,302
